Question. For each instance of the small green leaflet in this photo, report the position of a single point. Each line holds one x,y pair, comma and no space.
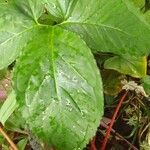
146,84
133,66
22,144
8,107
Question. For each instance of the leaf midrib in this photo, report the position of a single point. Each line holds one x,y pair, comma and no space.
52,61
107,26
98,25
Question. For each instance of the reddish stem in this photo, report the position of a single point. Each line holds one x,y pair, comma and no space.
93,144
112,121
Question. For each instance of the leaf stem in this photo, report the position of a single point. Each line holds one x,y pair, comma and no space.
93,147
112,121
8,139
103,124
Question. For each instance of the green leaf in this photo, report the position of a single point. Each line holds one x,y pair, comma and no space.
139,3
15,123
146,84
8,107
59,89
133,66
63,10
112,82
16,30
3,73
3,1
32,8
115,26
22,144
147,16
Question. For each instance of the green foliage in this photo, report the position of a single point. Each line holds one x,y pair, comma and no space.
8,107
22,144
56,80
3,73
66,92
128,65
146,84
139,3
107,30
112,82
55,87
147,16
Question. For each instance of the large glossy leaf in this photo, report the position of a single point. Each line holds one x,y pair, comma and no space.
113,26
16,29
58,79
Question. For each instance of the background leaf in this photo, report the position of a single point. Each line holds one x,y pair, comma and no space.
147,16
139,3
109,29
8,107
112,82
22,144
32,8
64,10
136,67
16,30
146,84
60,96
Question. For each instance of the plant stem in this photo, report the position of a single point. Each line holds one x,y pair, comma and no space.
119,136
93,144
8,139
112,121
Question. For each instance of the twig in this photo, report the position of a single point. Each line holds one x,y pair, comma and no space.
8,139
147,126
112,122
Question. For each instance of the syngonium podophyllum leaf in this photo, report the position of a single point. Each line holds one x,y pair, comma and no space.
63,97
136,67
108,25
16,29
